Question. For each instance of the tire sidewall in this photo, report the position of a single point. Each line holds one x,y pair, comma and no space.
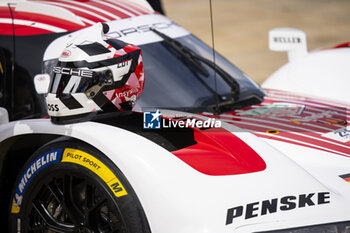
128,204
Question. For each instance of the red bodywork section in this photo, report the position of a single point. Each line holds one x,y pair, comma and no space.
305,124
343,45
5,25
219,152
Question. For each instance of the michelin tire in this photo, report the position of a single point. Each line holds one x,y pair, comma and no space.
68,186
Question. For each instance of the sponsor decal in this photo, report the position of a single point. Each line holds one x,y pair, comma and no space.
66,53
286,203
42,77
153,120
96,166
53,108
123,68
340,135
287,40
124,63
333,121
346,177
39,163
137,30
125,93
72,71
141,29
327,117
277,109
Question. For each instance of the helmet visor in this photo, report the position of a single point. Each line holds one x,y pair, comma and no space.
73,80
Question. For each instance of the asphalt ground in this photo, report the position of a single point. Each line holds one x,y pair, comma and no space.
241,27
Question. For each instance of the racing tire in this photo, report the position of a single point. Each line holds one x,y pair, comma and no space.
68,186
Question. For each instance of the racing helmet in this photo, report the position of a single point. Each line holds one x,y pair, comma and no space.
94,75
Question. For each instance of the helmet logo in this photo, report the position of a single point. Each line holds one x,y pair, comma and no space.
66,53
122,64
71,71
124,93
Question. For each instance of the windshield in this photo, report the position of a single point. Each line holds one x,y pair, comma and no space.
173,82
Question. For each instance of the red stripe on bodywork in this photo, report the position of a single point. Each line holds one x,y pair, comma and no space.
5,12
124,7
95,11
5,28
22,30
277,123
108,9
307,100
298,142
343,45
57,22
76,12
306,137
302,133
136,7
220,153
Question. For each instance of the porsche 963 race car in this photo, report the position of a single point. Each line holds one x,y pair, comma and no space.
129,126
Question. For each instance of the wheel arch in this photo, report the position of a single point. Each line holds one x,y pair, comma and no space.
149,168
14,153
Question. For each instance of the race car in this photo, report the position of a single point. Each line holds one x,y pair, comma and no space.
204,149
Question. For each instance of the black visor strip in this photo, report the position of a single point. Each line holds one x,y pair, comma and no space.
120,83
98,64
69,101
94,49
132,69
117,44
104,103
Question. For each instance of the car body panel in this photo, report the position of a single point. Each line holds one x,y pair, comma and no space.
172,191
6,20
296,119
294,175
135,30
320,73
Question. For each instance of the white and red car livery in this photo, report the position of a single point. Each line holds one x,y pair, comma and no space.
277,161
297,120
40,17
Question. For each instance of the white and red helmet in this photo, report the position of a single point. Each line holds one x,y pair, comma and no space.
95,74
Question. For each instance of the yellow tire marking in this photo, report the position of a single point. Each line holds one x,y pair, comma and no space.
96,166
14,208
